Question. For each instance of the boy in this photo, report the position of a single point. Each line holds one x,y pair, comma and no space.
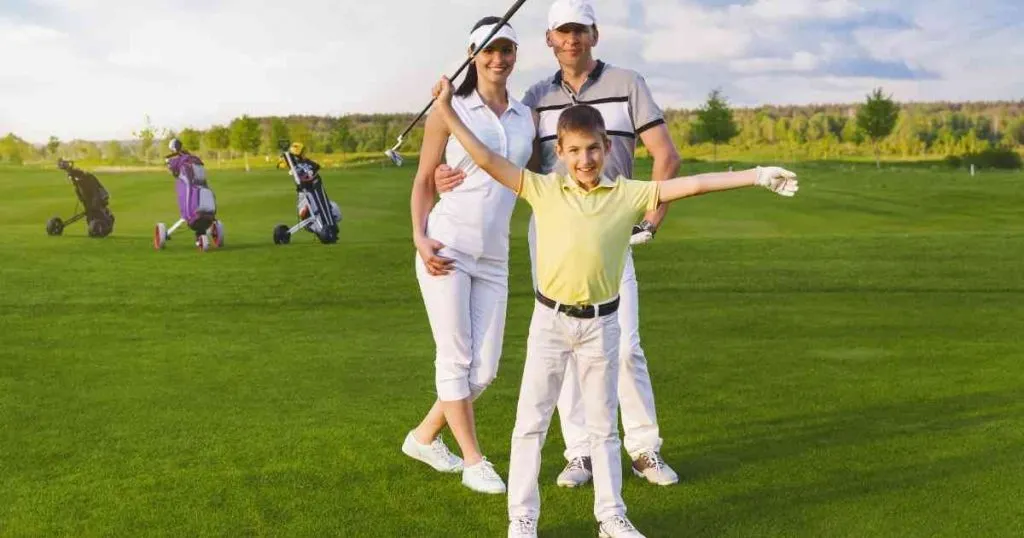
631,116
584,222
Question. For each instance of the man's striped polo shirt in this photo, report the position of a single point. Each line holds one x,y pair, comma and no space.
622,98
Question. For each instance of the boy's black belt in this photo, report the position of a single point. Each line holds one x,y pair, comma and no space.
580,311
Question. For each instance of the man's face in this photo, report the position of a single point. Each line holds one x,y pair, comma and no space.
573,43
583,155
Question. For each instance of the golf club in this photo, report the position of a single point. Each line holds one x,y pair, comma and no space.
393,152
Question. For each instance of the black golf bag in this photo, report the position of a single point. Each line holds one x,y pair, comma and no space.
317,213
95,201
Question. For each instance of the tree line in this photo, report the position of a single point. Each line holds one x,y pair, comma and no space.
879,126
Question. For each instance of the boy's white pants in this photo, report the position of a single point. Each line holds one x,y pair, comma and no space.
466,309
636,394
558,343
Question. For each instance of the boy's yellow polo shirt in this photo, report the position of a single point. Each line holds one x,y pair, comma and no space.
582,236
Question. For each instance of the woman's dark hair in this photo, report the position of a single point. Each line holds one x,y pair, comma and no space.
469,82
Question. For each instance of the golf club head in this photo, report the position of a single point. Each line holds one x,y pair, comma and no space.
394,156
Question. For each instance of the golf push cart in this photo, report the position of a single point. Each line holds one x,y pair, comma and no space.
197,206
94,200
317,213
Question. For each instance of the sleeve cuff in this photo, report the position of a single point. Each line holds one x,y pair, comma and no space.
646,126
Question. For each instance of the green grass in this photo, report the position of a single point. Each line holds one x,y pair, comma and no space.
846,363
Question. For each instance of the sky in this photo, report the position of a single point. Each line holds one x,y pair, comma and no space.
94,69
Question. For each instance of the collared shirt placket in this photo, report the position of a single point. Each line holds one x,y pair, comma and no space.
502,133
573,96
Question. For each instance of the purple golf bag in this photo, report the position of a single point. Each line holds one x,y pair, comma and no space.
196,203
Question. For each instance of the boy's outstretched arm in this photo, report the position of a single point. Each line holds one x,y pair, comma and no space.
497,166
778,180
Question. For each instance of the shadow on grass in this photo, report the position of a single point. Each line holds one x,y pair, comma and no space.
801,434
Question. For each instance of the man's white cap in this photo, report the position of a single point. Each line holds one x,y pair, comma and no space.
505,32
571,12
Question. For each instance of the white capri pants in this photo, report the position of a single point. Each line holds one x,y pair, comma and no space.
466,309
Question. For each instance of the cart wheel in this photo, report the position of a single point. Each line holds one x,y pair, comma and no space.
217,233
159,236
108,225
97,228
281,235
54,226
329,236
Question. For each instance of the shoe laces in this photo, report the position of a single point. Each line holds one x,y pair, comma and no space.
486,470
524,525
654,460
578,463
618,523
439,448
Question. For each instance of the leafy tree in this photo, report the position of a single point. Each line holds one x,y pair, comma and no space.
190,138
715,123
278,132
217,139
84,150
850,133
1015,132
766,128
146,136
300,132
341,136
383,125
876,118
113,151
52,146
245,137
13,149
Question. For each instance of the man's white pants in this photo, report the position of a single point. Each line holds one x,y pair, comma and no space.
466,309
636,395
558,343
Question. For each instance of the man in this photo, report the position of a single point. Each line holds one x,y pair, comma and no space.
629,111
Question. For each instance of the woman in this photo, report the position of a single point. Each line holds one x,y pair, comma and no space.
462,255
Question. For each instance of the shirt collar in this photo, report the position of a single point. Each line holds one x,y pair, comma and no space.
474,101
604,183
593,76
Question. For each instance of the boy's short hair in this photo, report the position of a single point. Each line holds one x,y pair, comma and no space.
581,119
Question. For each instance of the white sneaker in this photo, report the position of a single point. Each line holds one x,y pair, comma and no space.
436,454
649,465
522,527
618,527
482,478
576,473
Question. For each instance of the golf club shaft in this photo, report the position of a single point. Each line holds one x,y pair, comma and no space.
508,15
291,167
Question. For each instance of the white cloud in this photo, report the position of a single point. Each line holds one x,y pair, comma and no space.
800,61
686,32
94,68
30,34
790,10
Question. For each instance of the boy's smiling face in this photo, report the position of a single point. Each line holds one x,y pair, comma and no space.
583,155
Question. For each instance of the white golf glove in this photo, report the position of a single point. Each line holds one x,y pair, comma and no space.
778,180
642,233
